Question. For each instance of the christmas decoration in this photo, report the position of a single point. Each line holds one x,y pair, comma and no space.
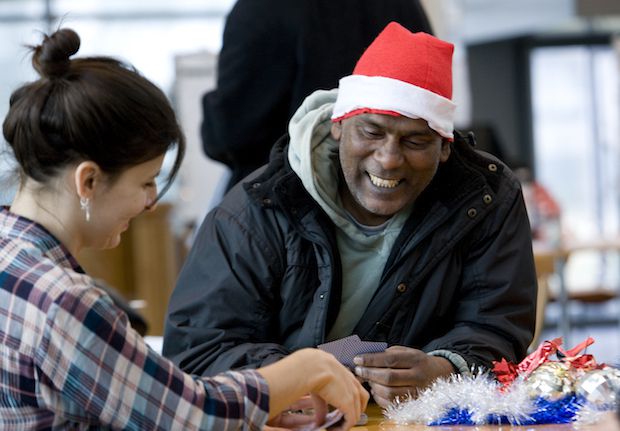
536,391
599,387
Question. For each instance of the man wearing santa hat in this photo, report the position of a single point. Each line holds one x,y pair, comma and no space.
374,218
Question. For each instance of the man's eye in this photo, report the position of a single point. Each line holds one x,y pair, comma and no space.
373,133
415,144
150,184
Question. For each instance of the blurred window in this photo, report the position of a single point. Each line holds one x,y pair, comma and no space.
576,128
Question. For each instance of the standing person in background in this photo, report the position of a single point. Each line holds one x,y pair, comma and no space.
89,137
543,210
277,52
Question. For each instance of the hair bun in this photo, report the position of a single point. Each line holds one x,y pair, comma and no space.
51,57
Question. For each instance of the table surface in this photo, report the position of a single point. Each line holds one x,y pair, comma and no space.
376,422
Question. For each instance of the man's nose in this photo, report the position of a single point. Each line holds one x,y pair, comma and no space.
390,154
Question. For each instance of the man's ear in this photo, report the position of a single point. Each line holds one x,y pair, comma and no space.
336,130
446,149
87,177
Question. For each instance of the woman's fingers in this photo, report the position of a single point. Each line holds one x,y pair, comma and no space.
320,409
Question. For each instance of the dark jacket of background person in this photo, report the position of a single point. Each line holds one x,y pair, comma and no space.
277,52
263,278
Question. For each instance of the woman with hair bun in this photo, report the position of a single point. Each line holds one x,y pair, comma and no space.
89,137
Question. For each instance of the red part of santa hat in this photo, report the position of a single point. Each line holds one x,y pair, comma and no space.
401,73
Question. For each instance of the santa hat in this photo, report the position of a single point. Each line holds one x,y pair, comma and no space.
401,73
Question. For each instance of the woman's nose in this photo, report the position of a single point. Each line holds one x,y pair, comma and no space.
150,205
151,200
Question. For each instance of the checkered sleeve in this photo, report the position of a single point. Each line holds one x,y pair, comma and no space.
96,369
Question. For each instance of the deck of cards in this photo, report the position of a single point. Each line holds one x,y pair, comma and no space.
345,349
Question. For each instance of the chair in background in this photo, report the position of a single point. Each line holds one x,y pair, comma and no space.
552,263
545,268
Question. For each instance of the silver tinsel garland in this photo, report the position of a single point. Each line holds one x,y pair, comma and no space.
479,394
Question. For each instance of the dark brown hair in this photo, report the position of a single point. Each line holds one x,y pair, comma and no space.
92,108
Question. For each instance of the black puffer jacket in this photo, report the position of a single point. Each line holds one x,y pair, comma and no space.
264,276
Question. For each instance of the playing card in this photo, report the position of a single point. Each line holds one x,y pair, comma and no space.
345,349
337,347
360,348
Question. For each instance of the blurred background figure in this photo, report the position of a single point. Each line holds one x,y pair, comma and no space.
277,52
542,209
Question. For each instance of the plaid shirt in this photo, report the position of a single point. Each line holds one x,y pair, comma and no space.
69,359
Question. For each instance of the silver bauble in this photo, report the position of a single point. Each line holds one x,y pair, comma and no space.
551,380
599,387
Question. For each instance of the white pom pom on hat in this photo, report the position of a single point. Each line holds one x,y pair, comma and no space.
401,73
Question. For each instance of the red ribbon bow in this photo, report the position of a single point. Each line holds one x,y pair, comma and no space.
506,372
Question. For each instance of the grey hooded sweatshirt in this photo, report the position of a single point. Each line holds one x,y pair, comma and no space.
364,250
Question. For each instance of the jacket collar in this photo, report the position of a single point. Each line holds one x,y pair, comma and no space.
278,185
465,170
464,190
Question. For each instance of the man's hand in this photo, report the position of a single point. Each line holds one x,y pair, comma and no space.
399,371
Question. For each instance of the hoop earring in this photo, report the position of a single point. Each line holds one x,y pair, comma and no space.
85,206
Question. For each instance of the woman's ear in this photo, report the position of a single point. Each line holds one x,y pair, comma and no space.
87,177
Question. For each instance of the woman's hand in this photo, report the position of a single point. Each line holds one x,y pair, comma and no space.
312,371
298,414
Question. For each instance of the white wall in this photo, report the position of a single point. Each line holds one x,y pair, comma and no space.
201,180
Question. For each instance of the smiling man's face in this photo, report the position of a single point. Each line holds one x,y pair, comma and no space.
387,161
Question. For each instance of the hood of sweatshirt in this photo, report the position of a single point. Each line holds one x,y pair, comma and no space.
313,156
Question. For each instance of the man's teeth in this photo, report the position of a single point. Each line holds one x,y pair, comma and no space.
381,182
